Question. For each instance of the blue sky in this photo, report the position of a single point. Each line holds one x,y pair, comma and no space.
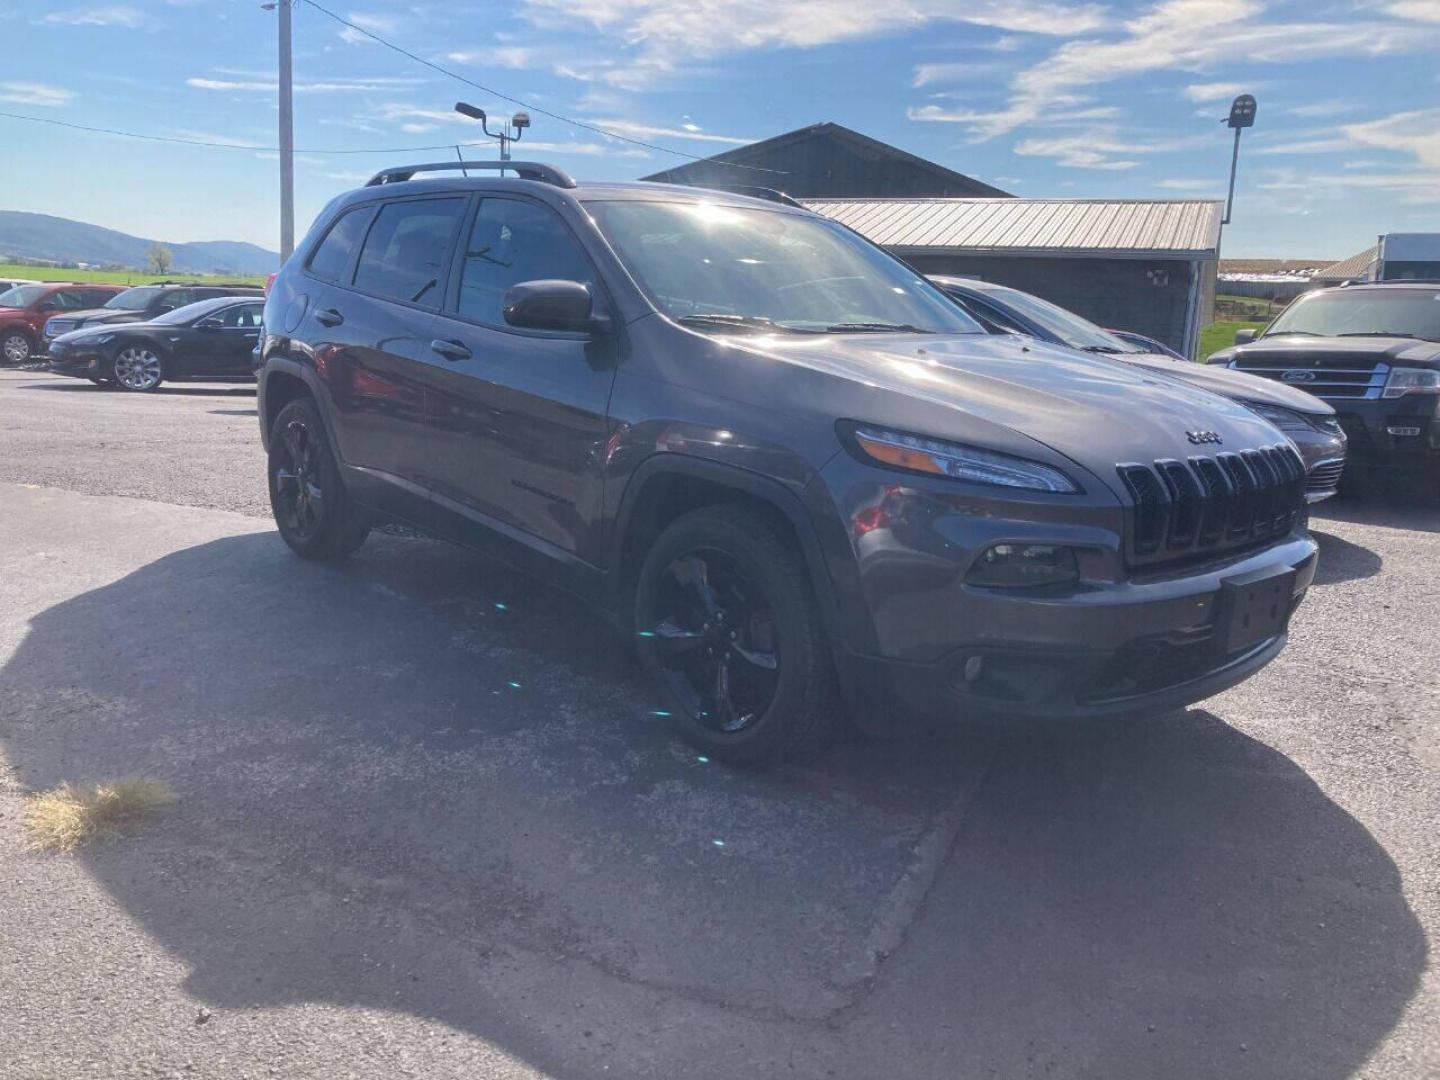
1040,97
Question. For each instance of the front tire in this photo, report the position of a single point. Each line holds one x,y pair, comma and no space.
730,631
16,347
313,512
138,369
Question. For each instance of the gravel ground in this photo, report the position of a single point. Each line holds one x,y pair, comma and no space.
423,834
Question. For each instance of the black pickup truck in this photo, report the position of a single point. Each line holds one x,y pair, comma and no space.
1371,351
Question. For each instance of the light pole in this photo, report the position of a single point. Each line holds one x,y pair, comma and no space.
520,121
287,132
1242,116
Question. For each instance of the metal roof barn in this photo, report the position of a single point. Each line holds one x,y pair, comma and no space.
1147,265
1116,227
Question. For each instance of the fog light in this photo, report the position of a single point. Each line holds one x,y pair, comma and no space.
973,667
1024,566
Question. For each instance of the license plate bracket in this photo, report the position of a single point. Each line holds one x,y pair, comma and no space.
1256,607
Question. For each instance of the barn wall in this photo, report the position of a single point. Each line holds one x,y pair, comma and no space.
1118,293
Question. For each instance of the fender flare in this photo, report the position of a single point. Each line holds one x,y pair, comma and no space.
783,499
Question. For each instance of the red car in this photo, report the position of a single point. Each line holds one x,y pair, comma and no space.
25,308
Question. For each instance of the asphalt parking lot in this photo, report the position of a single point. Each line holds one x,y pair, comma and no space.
429,827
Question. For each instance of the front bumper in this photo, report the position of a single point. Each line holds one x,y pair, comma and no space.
1399,433
1140,646
77,363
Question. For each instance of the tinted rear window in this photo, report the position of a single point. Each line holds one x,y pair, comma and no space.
333,255
404,255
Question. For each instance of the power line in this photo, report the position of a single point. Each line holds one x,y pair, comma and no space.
596,128
224,145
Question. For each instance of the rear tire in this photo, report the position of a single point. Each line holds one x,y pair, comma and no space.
312,509
731,633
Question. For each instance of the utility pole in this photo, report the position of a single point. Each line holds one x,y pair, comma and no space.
287,138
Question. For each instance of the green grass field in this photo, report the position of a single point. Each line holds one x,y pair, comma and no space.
1221,335
118,277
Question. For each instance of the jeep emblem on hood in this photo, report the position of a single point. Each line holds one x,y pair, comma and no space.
1201,437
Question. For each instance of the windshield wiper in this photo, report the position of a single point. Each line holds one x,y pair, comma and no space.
1100,349
1377,333
740,322
877,327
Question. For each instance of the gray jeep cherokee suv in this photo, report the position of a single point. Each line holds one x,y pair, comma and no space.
774,453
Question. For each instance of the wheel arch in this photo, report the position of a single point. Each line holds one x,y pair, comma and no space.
668,485
282,384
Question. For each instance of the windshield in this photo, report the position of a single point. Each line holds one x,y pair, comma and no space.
133,299
186,314
22,295
1070,328
748,270
1400,312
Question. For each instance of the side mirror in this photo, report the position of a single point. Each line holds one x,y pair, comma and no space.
551,305
1245,336
210,323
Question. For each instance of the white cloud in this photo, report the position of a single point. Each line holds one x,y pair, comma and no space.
319,86
506,56
33,93
1324,144
1314,109
383,25
1215,91
128,17
956,71
665,33
1189,185
1420,10
685,131
1184,35
1088,151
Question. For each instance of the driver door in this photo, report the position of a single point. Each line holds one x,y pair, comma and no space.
517,417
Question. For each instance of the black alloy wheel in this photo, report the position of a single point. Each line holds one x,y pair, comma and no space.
715,640
728,627
311,507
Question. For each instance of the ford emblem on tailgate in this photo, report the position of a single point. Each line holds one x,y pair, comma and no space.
1199,437
1297,375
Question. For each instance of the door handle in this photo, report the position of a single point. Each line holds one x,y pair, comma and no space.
329,317
451,350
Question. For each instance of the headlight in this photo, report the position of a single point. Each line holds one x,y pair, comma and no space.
1409,380
917,454
1284,419
1023,566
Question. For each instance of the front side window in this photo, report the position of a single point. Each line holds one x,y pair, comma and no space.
514,241
1363,312
404,254
244,316
714,266
67,300
332,257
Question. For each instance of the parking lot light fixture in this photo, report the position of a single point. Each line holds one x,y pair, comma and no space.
1242,116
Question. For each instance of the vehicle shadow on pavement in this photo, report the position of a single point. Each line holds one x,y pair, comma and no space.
1342,560
84,386
419,784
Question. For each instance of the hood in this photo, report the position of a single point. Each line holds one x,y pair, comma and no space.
1335,351
1231,384
91,316
986,390
95,329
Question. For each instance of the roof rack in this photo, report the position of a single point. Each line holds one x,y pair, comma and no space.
753,191
526,170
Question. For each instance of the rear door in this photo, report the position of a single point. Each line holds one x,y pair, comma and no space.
518,417
373,330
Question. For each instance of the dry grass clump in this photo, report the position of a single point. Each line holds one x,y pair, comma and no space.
67,816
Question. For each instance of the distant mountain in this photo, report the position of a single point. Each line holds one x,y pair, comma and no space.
57,239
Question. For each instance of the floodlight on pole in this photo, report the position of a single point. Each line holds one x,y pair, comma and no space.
1242,116
513,129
